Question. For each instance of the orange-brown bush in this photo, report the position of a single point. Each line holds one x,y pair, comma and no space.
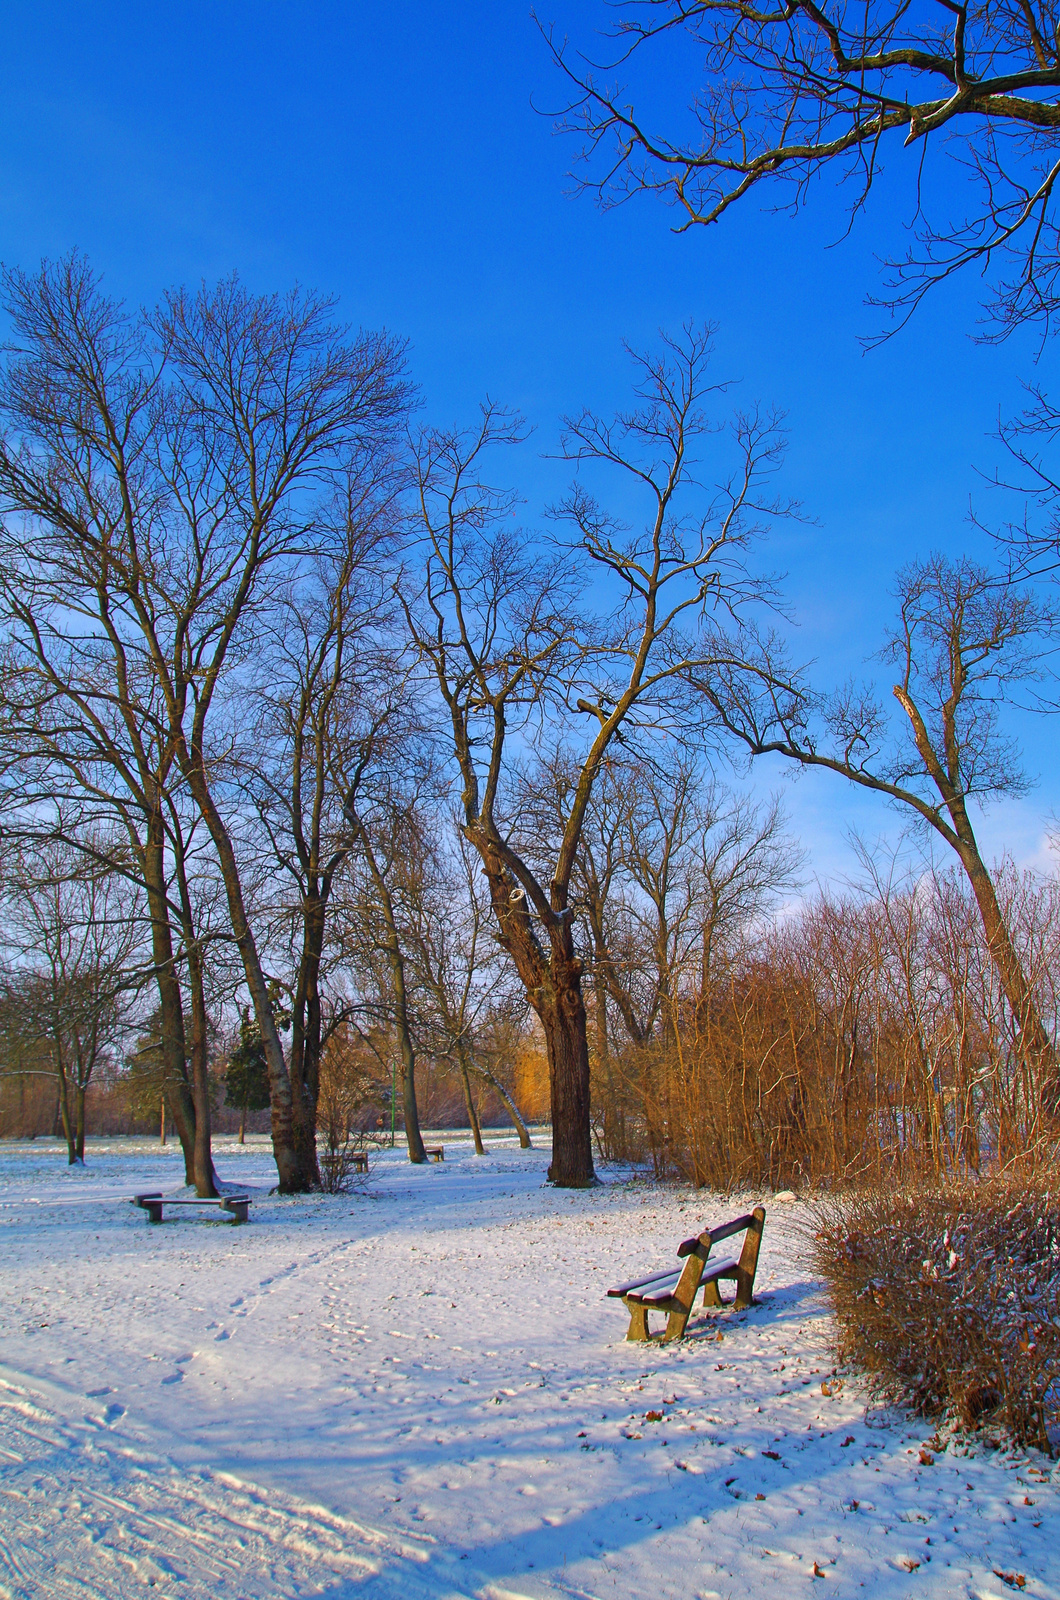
865,1038
950,1297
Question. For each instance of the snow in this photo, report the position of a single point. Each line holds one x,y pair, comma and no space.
418,1390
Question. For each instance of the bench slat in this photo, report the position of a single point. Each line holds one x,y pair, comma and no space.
716,1235
643,1283
714,1269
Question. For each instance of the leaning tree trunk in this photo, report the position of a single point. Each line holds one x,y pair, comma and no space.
1034,1042
1035,1045
512,1109
469,1099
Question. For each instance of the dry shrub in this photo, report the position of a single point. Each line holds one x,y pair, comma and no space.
864,1039
348,1099
950,1297
337,1167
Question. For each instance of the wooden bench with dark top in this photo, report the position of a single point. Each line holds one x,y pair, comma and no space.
434,1152
675,1291
360,1161
235,1205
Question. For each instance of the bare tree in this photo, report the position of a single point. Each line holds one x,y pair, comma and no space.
170,470
512,648
327,693
779,94
74,938
461,983
965,638
382,837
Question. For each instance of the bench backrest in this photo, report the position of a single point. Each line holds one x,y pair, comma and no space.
699,1248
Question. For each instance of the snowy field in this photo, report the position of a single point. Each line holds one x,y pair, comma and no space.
419,1390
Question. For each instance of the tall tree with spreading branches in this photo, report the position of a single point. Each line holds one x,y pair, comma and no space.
518,651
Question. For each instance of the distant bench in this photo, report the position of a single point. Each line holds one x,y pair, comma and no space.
675,1291
235,1205
434,1152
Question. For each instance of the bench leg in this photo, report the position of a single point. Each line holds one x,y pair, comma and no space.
154,1211
676,1323
638,1323
744,1289
236,1211
712,1294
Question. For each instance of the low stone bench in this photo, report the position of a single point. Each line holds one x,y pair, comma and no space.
674,1291
234,1205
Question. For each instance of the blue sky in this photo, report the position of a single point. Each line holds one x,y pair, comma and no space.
392,155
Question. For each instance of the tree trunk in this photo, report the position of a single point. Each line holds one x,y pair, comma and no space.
402,1029
469,1100
553,988
562,1012
1035,1044
162,1121
243,1126
64,1110
293,1176
1034,1041
410,1109
511,1108
612,1145
203,1174
305,1036
170,1003
79,1123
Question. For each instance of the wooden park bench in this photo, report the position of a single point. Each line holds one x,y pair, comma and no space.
360,1161
434,1152
235,1205
675,1291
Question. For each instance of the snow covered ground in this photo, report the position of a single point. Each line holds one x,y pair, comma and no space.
418,1390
